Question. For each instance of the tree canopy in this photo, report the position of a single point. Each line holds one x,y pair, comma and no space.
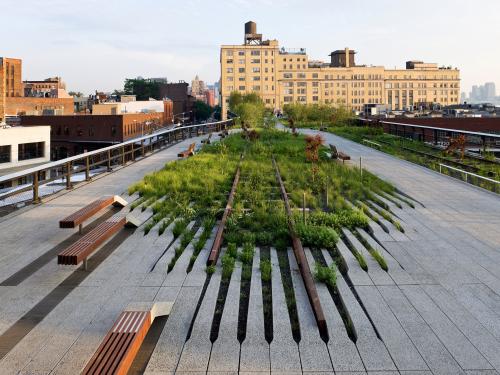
142,88
202,110
248,107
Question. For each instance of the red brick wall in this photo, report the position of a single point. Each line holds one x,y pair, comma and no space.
28,105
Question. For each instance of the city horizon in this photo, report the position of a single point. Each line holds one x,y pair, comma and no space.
78,43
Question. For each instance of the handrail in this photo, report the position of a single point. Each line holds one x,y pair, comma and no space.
62,162
481,134
107,156
467,173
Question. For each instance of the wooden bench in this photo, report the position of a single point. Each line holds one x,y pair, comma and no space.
77,218
335,154
207,140
224,133
118,349
88,243
188,152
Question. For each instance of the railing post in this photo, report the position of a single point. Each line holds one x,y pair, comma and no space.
68,175
87,169
133,152
109,160
142,147
36,198
123,156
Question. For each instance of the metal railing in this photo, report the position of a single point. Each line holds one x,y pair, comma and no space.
109,157
472,178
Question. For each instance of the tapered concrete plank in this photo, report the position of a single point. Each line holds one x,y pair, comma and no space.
226,349
375,272
313,351
198,274
372,350
254,355
196,352
395,271
357,275
343,352
169,347
284,352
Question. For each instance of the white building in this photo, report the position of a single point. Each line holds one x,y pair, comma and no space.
23,146
118,108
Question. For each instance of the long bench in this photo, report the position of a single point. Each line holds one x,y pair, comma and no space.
118,349
335,154
188,152
77,218
80,250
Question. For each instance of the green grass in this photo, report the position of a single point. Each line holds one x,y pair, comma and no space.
326,275
265,269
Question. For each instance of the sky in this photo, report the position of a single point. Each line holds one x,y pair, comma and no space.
96,44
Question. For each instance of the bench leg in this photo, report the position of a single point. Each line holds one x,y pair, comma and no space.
85,264
80,229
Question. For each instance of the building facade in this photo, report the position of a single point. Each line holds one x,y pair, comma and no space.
283,76
44,97
22,147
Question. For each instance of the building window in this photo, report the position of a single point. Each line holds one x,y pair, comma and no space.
230,61
230,79
26,151
5,154
241,53
256,88
229,70
255,61
241,70
288,99
256,78
256,70
241,61
241,88
229,53
315,98
287,75
255,53
301,75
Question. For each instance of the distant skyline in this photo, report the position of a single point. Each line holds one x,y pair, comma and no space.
95,45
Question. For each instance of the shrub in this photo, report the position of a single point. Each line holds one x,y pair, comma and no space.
210,270
324,274
265,269
186,238
227,265
246,256
232,250
317,236
179,227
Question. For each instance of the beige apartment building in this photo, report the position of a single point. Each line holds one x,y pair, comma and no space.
283,76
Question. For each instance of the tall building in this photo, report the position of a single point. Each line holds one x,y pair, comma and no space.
198,87
490,91
483,93
30,97
283,76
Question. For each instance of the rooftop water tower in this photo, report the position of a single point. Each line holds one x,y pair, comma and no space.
251,36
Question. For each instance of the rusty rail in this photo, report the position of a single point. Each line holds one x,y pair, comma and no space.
300,256
214,252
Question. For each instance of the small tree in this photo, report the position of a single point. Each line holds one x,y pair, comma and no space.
313,143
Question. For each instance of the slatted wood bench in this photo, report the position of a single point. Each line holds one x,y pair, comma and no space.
80,250
118,349
77,218
188,152
207,140
335,154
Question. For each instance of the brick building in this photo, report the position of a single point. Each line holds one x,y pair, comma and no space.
72,135
183,103
13,101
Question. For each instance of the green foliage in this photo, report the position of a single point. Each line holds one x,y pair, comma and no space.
186,238
232,250
317,114
249,108
227,265
142,88
210,270
326,275
380,259
346,218
265,269
361,260
317,236
179,227
246,256
202,111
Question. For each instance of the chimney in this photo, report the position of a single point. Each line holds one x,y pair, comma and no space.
347,65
